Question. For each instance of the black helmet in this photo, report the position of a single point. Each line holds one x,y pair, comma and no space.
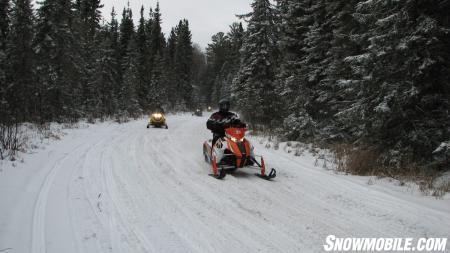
224,105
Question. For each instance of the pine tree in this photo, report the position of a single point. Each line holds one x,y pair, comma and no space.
198,71
236,38
157,41
87,26
294,24
4,22
143,56
405,96
113,35
183,64
106,78
339,90
4,30
57,49
217,55
158,86
126,31
88,16
170,74
21,61
223,58
157,94
231,66
149,27
254,86
128,96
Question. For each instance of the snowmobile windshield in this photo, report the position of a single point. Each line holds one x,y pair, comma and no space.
237,124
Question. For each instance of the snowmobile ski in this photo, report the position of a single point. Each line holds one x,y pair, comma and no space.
221,174
272,174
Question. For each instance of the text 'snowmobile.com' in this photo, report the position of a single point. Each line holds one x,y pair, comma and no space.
336,244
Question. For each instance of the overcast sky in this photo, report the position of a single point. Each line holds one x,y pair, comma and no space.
206,17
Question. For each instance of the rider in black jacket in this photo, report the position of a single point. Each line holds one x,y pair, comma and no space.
221,120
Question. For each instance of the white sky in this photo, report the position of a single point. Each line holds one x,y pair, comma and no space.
206,17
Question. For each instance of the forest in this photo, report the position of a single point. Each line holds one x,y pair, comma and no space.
369,78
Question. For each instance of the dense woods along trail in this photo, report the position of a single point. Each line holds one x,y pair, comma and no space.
125,188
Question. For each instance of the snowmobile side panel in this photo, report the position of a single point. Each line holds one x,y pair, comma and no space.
207,153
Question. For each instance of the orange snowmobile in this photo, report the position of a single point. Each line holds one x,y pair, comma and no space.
234,152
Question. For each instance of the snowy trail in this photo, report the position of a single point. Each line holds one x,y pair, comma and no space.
125,188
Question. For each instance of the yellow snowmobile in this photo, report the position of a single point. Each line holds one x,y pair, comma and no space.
157,119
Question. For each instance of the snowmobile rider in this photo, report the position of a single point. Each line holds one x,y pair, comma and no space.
221,120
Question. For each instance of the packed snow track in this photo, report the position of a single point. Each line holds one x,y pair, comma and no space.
125,188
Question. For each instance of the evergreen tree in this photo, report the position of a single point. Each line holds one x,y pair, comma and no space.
254,85
231,66
198,71
217,55
170,74
126,31
223,57
4,22
4,29
339,91
129,104
114,48
142,61
149,28
89,16
294,24
236,38
58,67
21,61
87,26
405,97
183,63
105,79
157,41
158,94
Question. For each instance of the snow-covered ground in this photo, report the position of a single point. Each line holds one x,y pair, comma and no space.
125,188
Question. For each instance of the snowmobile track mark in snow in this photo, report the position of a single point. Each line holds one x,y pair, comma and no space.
38,241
